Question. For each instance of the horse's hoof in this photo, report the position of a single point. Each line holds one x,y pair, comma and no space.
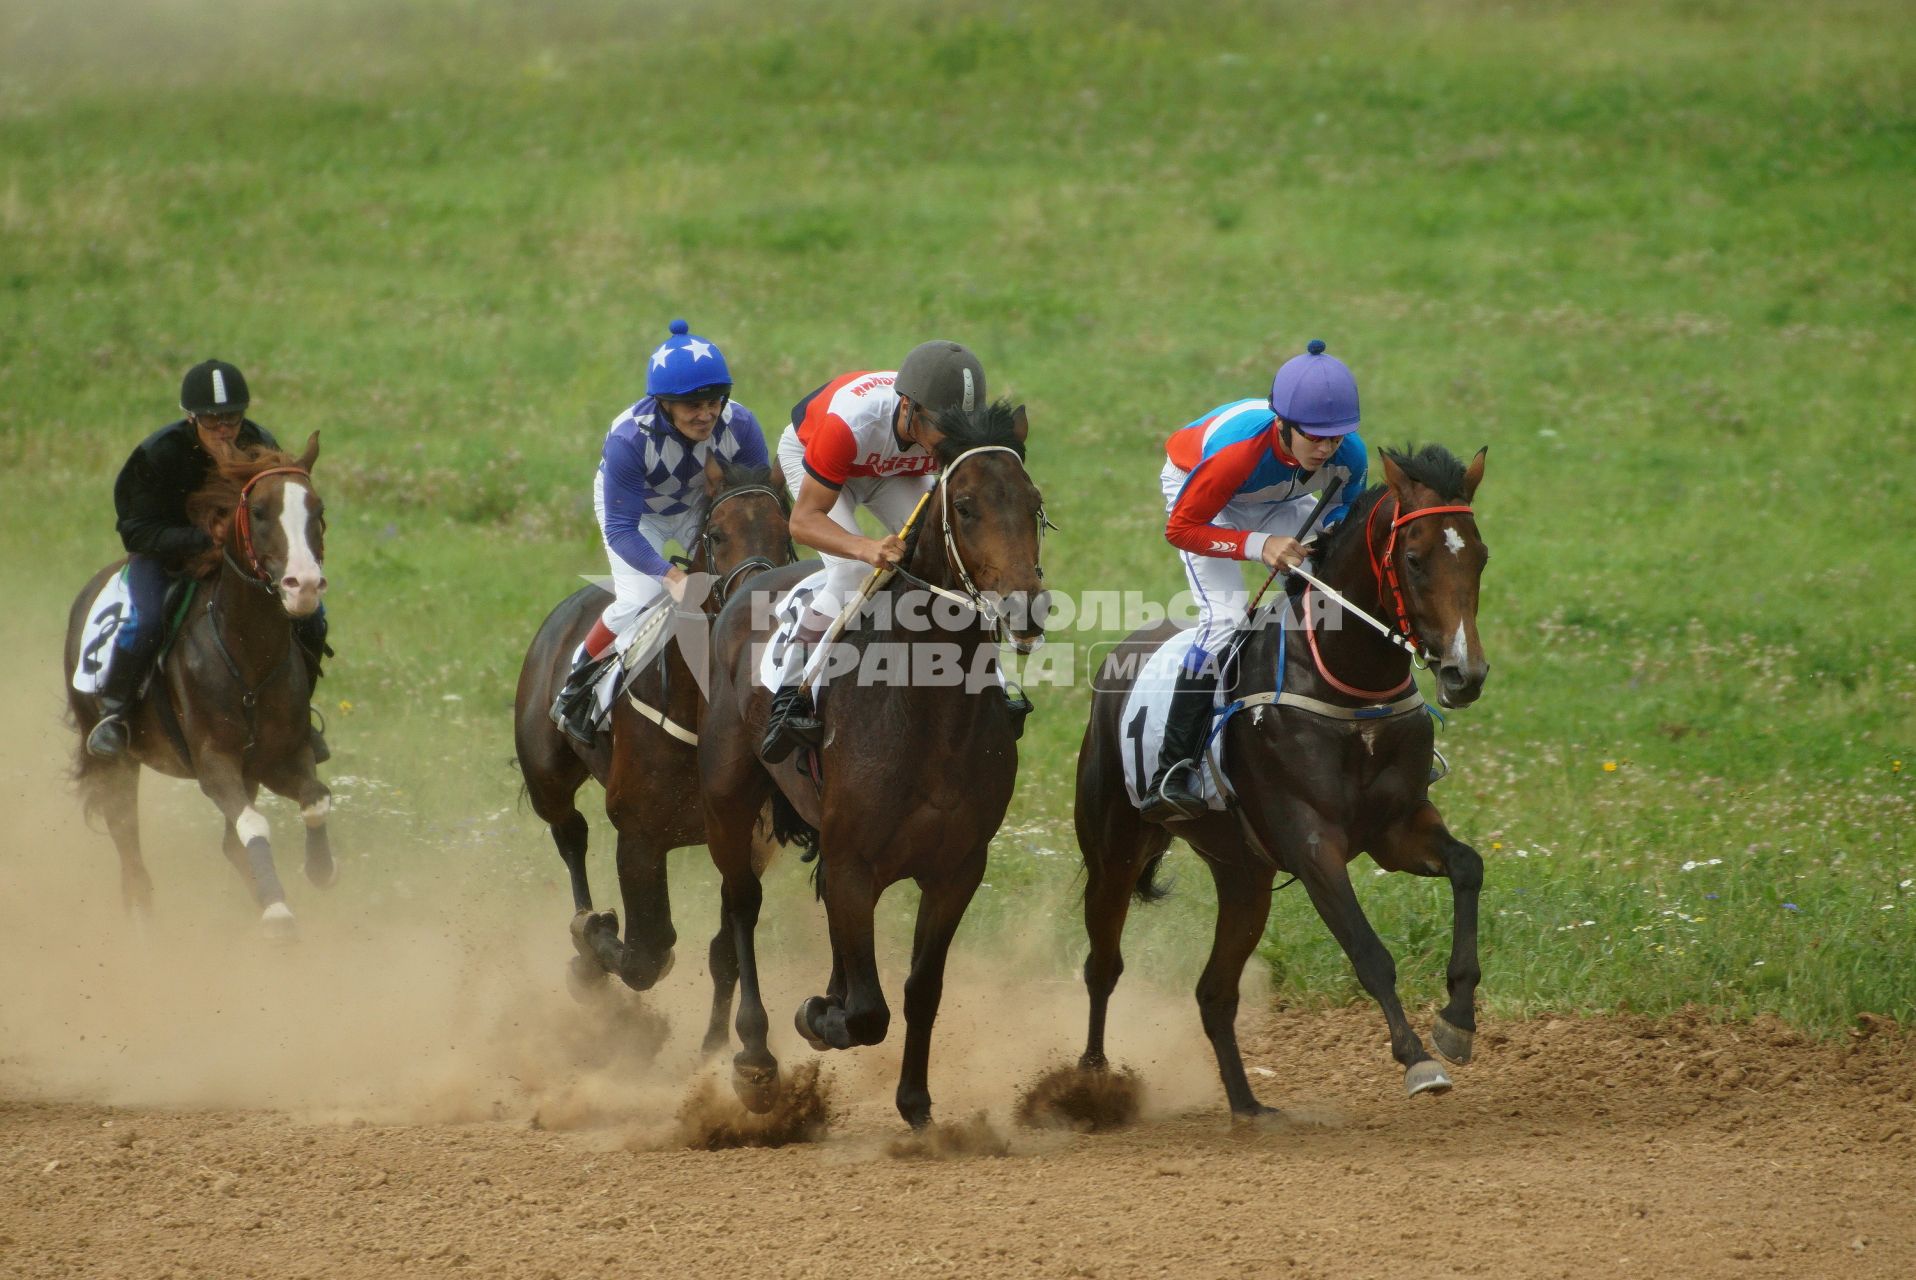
585,980
322,871
813,1008
1256,1115
638,977
1427,1076
586,923
756,1087
277,923
1452,1042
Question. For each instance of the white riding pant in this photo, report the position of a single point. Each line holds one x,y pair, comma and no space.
1217,582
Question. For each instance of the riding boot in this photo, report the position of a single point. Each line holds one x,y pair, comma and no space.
792,723
576,709
1176,792
311,634
110,738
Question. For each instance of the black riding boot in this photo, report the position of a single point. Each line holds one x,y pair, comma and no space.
793,720
1175,792
576,709
311,634
110,738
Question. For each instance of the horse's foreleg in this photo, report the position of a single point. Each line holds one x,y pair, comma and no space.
221,781
1116,850
721,959
941,907
1422,845
862,1016
302,786
1327,878
754,1069
1243,905
643,887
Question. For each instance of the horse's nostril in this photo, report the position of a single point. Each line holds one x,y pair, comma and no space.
289,582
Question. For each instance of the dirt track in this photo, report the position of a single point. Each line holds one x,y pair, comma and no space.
1608,1147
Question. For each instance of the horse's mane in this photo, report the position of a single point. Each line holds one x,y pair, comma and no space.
975,428
215,501
1431,465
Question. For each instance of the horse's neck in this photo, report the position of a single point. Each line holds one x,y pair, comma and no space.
1353,652
253,627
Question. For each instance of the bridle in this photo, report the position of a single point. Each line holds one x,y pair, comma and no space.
971,597
1385,569
251,572
723,587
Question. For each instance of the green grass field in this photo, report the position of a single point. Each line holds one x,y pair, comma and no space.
1657,256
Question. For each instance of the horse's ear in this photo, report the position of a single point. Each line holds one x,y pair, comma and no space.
1399,482
714,476
311,455
1019,426
1474,473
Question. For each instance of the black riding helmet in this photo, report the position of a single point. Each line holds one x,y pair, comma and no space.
215,387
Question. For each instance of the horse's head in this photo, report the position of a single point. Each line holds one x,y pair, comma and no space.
273,521
1433,560
991,515
745,527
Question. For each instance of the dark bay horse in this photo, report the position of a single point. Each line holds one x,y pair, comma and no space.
916,775
1316,784
648,770
228,705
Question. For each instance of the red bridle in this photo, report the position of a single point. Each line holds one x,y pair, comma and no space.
243,518
1386,568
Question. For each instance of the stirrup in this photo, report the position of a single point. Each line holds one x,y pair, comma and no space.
1162,804
1020,707
109,739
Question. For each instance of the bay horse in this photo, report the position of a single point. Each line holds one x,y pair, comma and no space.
913,777
647,767
1340,766
228,704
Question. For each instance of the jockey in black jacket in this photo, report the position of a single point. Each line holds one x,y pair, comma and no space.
150,496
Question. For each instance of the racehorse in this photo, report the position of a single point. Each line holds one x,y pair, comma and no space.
228,704
913,777
1340,765
648,763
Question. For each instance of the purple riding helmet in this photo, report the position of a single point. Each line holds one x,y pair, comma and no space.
1317,392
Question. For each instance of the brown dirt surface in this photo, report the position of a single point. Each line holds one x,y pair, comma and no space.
411,1091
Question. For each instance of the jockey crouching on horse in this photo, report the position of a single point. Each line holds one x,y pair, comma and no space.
863,439
1237,482
162,545
650,490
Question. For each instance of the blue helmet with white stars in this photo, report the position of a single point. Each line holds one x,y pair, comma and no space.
687,366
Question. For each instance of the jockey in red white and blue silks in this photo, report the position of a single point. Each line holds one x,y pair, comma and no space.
650,491
1238,483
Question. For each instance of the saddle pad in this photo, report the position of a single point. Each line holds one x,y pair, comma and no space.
111,607
780,650
1141,723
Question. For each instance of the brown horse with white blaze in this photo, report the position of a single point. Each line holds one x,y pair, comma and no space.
913,778
229,705
1329,756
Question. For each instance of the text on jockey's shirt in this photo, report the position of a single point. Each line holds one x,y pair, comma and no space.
847,429
652,470
1233,454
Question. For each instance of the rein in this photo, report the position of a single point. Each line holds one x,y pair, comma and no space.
723,587
971,598
243,525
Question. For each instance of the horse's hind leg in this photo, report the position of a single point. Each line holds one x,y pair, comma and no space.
116,790
1243,905
721,959
1117,848
940,909
1422,845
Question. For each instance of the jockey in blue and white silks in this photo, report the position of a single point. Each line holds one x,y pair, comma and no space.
650,491
1238,483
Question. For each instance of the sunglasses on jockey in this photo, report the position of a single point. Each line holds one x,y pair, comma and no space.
703,397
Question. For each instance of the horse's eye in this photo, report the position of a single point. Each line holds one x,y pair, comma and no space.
718,539
965,510
1413,562
259,512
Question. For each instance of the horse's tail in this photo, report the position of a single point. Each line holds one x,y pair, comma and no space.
1147,889
789,827
85,771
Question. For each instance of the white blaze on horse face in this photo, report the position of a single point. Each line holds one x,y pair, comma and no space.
1459,652
251,825
1453,540
300,587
